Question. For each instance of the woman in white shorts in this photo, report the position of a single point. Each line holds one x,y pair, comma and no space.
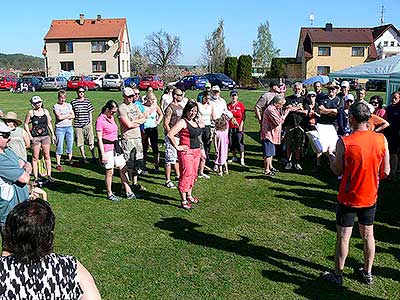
111,154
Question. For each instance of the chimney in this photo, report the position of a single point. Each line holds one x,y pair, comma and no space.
81,19
328,27
98,18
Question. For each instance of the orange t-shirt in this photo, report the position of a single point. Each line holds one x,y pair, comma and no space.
374,121
363,156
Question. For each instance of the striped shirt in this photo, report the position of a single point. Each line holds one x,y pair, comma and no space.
83,110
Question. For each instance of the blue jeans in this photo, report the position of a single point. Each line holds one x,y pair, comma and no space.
66,133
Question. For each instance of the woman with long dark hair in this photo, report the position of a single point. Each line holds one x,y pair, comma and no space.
30,269
111,156
189,129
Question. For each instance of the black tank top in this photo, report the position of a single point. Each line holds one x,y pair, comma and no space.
39,125
190,136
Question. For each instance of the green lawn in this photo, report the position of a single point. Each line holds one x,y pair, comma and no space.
251,237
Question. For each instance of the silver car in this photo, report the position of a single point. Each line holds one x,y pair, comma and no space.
112,81
54,83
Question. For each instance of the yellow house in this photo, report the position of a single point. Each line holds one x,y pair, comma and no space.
328,49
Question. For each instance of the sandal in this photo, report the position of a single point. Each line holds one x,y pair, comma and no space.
192,199
269,174
186,205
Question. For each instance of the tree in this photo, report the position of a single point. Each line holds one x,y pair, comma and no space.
244,67
162,49
139,63
263,47
215,52
230,68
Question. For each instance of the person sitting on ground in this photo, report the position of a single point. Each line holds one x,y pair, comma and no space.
30,269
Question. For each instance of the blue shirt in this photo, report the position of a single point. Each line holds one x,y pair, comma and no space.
141,108
12,192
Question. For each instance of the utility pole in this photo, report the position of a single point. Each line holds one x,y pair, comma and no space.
382,15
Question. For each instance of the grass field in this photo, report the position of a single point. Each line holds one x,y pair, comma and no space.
251,237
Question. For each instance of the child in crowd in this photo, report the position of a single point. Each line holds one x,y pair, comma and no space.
221,145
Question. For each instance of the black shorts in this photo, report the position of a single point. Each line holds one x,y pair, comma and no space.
152,134
345,215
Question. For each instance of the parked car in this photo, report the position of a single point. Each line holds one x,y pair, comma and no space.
98,80
132,81
151,80
76,82
192,82
33,83
57,83
112,81
8,82
375,85
220,79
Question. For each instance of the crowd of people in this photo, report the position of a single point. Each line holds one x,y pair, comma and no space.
287,126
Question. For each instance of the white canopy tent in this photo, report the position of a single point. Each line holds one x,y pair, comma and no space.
387,69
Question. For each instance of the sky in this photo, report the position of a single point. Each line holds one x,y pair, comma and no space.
25,24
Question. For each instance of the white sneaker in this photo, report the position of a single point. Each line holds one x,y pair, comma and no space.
205,176
298,167
288,166
242,162
234,159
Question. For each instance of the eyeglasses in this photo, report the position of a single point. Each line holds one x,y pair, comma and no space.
5,135
179,95
137,94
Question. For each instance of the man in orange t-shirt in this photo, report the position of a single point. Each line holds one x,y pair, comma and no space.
362,159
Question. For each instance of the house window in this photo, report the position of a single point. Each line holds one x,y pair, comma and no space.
127,65
392,43
123,66
66,47
98,66
385,43
323,70
98,46
67,65
357,51
324,51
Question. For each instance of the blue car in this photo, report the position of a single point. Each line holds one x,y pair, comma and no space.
220,79
132,81
192,82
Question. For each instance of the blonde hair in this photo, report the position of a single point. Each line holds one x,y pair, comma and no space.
221,124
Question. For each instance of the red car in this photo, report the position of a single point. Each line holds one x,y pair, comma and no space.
76,82
151,80
8,82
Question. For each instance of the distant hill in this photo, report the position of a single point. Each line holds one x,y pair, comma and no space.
20,62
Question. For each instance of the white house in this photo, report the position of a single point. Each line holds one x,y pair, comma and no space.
88,46
387,40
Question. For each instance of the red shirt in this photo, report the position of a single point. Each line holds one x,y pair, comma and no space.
238,112
363,158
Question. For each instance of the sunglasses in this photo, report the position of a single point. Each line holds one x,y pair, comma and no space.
137,94
35,103
179,95
81,92
373,103
5,135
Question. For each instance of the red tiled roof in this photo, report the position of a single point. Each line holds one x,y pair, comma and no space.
338,36
91,28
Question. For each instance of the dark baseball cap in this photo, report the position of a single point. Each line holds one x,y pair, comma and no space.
234,92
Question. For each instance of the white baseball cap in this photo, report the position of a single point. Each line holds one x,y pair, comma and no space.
36,99
4,128
128,92
345,83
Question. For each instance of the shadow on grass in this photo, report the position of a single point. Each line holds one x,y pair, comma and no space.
309,197
160,199
313,288
182,229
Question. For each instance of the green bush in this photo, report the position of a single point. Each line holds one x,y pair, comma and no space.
230,67
244,67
